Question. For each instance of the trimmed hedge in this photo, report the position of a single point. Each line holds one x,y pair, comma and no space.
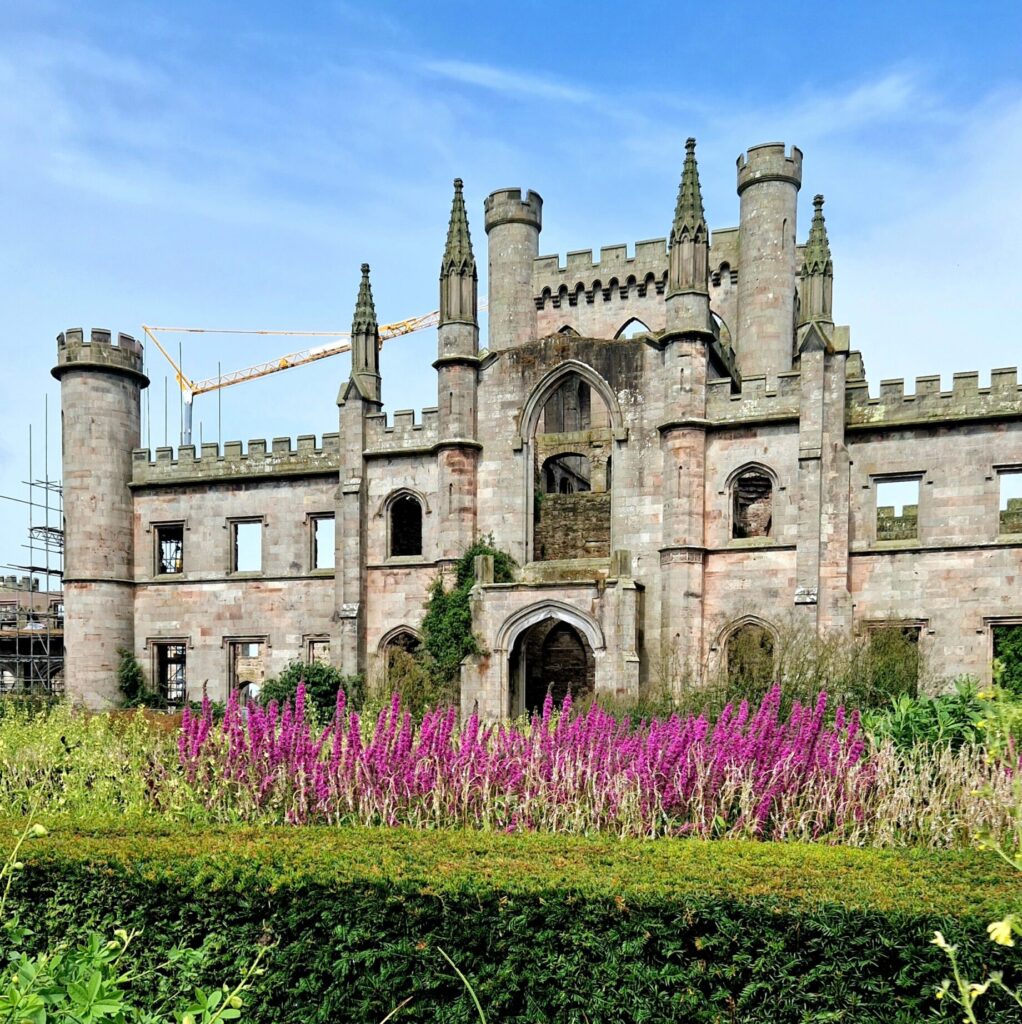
547,928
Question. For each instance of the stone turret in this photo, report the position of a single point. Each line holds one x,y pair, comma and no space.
365,343
768,184
456,366
512,226
817,277
688,300
100,388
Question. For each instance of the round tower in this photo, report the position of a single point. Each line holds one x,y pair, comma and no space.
100,386
768,184
512,226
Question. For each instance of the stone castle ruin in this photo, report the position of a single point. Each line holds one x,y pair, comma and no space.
678,447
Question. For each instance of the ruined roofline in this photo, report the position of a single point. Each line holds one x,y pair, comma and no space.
928,404
260,459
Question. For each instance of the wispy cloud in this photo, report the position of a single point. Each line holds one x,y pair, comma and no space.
509,83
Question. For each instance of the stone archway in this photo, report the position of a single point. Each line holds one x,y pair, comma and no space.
550,657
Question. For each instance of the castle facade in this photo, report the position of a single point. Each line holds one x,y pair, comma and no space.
677,446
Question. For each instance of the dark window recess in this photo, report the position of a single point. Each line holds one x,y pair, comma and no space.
750,656
753,506
170,672
170,549
405,527
567,474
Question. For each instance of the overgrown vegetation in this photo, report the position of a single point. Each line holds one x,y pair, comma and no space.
131,681
429,677
548,928
1008,654
322,681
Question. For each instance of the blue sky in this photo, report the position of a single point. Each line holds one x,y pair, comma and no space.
232,164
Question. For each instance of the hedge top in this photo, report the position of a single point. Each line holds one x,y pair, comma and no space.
885,881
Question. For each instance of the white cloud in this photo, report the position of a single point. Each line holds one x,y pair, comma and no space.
509,83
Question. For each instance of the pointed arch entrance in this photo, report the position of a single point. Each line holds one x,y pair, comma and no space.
550,647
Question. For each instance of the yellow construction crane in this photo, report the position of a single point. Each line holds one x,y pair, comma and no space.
340,342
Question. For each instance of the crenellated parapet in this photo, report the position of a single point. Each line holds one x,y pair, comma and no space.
928,405
760,400
99,350
613,275
402,432
259,460
769,162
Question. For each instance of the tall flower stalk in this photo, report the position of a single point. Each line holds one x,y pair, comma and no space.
752,772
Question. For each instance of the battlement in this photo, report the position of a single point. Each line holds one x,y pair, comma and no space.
261,459
402,432
28,584
769,162
614,274
99,351
756,401
928,404
506,206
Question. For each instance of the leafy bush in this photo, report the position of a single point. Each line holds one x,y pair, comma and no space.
322,681
952,719
132,683
548,928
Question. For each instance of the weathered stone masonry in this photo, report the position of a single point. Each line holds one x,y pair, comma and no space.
673,445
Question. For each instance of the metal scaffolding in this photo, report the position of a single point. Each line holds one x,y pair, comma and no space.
32,599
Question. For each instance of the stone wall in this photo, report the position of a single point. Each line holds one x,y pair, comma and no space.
573,526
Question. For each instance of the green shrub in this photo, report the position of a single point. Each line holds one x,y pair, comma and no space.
132,683
322,681
546,928
952,719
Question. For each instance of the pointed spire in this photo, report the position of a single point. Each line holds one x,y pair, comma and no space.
364,321
365,342
458,252
816,286
459,300
816,259
689,218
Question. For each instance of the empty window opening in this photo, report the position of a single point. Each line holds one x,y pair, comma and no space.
247,667
567,474
897,509
1008,656
57,614
8,614
552,657
750,657
318,651
752,501
632,329
170,548
1011,502
171,679
405,527
892,666
323,538
568,330
247,546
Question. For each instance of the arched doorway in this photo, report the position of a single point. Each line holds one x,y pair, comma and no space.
552,656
